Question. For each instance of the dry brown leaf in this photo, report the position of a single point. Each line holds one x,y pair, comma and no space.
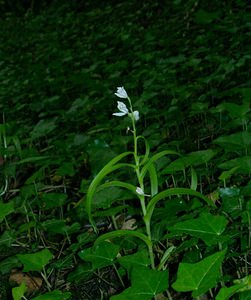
129,225
32,283
161,297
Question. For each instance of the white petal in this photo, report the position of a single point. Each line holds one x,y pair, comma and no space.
119,114
136,115
121,92
140,191
122,107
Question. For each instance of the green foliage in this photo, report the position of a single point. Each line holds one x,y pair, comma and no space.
207,227
18,292
69,209
103,255
56,295
146,284
36,261
199,277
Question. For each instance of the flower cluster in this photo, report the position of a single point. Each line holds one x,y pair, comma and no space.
121,93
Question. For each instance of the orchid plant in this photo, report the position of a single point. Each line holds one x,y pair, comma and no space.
143,166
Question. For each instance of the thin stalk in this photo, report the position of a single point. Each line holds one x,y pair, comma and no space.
6,184
169,295
221,270
118,275
141,184
114,223
43,274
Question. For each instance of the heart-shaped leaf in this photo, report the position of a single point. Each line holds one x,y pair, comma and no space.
35,261
18,292
140,258
101,255
199,277
55,295
207,227
146,284
6,209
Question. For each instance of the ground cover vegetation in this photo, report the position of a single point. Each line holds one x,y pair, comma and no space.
152,202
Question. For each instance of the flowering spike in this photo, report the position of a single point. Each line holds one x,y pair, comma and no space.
121,93
122,108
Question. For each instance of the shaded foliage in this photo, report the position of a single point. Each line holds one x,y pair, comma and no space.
185,65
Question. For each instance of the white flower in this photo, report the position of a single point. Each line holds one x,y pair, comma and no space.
136,115
139,191
121,92
121,107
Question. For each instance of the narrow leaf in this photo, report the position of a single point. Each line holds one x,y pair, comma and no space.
154,158
109,167
119,233
172,192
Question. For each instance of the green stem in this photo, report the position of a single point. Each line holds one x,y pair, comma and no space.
43,274
119,277
141,184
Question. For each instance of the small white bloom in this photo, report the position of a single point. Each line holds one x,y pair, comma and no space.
122,108
139,191
136,115
121,92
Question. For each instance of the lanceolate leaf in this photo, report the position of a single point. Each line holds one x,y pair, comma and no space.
153,179
145,158
117,183
119,233
154,158
207,227
109,167
172,192
199,277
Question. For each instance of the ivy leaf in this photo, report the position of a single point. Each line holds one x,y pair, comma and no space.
199,277
18,292
227,292
240,285
140,258
43,127
6,209
55,295
207,227
146,284
101,255
35,261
